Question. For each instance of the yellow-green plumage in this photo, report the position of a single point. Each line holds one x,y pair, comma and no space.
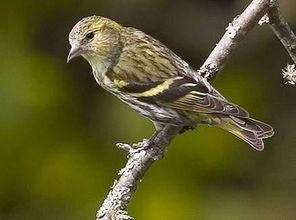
154,81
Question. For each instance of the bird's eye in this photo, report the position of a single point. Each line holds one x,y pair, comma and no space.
90,35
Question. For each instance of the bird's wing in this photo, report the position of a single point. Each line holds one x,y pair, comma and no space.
151,72
184,93
197,101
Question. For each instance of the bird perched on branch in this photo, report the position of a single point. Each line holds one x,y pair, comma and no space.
155,82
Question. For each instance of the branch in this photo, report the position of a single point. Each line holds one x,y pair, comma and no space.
282,30
115,205
139,160
241,26
235,33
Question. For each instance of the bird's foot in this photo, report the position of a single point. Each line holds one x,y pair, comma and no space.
141,147
147,144
142,144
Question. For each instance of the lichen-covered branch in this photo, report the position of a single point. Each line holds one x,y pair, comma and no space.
140,159
235,33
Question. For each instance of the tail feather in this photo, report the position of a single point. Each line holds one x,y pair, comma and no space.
248,129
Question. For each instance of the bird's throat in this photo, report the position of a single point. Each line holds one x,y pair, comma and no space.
100,66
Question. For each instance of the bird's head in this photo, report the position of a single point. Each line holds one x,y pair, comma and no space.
95,38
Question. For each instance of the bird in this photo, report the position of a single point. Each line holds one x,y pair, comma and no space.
154,81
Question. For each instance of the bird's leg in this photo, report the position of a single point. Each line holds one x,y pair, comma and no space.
146,143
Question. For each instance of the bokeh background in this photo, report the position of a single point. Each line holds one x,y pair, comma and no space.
58,128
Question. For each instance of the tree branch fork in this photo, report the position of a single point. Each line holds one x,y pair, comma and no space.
140,159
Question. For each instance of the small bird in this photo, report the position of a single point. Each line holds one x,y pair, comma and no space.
154,81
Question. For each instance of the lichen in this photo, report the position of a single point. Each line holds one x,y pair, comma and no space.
233,29
264,20
289,74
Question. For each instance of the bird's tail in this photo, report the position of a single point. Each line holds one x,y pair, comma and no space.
250,130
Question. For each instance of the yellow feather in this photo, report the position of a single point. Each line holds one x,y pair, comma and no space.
156,90
120,83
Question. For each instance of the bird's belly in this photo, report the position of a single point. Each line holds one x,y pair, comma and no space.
153,112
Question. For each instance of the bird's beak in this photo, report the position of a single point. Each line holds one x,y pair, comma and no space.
74,52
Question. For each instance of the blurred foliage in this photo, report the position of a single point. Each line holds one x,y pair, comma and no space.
58,129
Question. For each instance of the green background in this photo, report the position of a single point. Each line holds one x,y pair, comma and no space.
58,128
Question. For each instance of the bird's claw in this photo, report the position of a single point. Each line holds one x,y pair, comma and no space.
142,145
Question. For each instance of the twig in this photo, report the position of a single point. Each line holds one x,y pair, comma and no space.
139,160
287,37
282,30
